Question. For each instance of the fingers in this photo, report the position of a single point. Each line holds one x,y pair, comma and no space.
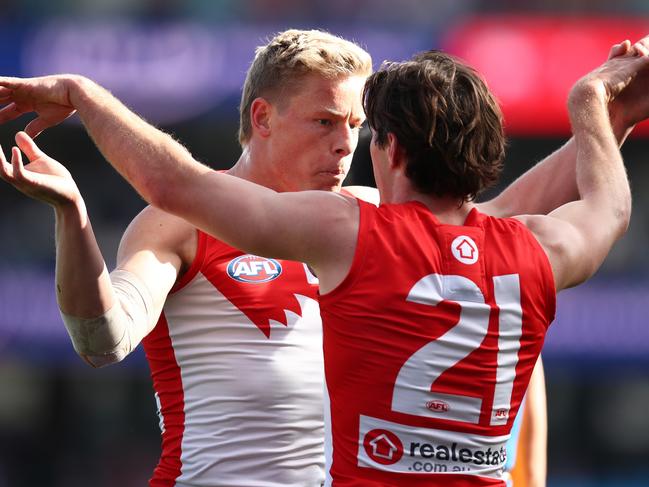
17,164
6,171
9,82
5,94
36,126
641,48
619,49
13,172
10,112
28,146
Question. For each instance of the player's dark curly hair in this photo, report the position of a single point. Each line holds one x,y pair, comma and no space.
445,118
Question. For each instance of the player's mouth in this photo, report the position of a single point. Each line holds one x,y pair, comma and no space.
338,173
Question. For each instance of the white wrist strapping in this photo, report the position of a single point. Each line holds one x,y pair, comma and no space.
110,337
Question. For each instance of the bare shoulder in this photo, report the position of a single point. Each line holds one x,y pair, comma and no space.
161,233
548,230
365,193
563,244
328,235
321,206
491,208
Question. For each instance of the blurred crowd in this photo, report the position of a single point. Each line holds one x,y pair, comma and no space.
399,14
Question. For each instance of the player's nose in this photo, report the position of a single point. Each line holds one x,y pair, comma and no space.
346,140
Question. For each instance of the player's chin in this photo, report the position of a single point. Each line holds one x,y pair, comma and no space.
327,181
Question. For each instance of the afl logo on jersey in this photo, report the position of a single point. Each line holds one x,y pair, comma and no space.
437,406
254,269
465,249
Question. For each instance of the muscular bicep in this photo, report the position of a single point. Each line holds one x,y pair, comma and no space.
307,226
151,255
157,248
574,242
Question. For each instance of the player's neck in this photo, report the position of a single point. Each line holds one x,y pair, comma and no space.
448,210
253,166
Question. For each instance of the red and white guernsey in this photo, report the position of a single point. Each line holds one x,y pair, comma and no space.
429,345
236,362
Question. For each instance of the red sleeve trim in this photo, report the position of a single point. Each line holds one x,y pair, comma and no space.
546,266
196,264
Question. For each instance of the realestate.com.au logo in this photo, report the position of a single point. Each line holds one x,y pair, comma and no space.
383,446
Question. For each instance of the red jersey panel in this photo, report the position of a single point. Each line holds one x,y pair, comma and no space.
429,345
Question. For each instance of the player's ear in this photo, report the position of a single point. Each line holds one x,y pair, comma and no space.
260,112
395,151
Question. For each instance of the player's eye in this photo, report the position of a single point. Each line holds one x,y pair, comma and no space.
325,122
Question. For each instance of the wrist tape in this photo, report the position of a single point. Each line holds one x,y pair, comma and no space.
112,336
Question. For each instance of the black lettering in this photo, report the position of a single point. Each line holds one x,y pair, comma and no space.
442,453
479,457
416,466
413,446
465,455
427,450
454,453
488,454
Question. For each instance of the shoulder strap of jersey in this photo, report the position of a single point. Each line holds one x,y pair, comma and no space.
196,265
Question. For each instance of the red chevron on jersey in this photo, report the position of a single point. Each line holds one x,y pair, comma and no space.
221,375
260,301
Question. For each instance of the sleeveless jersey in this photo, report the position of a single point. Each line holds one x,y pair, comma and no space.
429,345
236,363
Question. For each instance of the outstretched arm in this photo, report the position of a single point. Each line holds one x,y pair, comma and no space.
314,228
578,236
105,315
552,182
46,180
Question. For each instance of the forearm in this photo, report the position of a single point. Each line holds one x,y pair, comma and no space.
150,160
550,183
105,315
536,421
600,173
82,283
547,185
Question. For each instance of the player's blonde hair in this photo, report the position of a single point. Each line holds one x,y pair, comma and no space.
287,58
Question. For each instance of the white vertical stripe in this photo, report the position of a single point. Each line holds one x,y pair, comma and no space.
412,388
508,298
328,441
245,424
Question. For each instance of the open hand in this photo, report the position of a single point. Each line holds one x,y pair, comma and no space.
47,96
43,179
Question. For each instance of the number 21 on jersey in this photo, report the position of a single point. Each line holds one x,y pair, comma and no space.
412,388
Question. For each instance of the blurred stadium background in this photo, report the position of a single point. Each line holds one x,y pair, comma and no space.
181,64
